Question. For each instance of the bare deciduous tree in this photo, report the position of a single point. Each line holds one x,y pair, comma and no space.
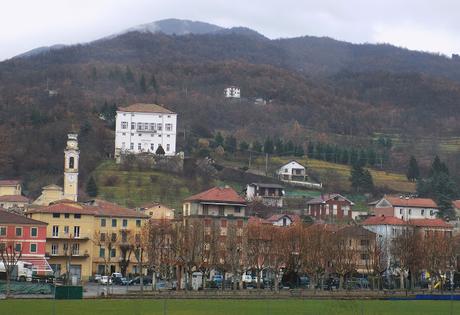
10,258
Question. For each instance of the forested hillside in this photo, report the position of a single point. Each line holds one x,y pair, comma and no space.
317,89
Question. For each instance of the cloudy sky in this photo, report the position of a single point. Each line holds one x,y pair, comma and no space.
416,24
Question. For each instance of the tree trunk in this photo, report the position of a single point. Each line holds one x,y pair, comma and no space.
342,279
401,279
223,281
258,279
276,282
8,283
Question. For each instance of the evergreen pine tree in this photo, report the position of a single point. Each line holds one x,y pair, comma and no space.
413,172
279,146
91,187
129,76
268,146
160,150
257,146
244,146
311,150
218,139
142,84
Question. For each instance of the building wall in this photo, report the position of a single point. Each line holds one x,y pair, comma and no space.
84,241
10,190
159,212
333,208
90,229
48,196
10,204
407,213
26,238
146,139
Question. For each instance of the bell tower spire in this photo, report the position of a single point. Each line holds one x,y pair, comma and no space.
71,161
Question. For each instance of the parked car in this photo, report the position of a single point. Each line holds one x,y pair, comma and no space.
329,284
357,283
246,278
120,281
137,280
116,275
218,278
97,278
106,280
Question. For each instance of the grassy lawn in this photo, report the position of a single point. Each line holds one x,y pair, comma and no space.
341,173
230,307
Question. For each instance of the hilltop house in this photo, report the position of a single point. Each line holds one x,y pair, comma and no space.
232,92
292,171
406,208
271,195
147,128
330,206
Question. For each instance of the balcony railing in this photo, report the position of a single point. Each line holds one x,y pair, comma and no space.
146,130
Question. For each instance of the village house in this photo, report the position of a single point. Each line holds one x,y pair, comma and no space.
88,236
11,197
157,211
10,187
271,195
145,128
292,171
232,92
330,206
360,243
222,214
406,208
388,228
26,236
284,219
14,202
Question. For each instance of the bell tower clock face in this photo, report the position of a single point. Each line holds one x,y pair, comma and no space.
71,178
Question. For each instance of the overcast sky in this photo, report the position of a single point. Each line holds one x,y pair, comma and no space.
427,25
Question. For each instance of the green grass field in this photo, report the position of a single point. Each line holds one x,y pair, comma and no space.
227,307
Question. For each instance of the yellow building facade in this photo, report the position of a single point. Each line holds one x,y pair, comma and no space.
85,239
10,187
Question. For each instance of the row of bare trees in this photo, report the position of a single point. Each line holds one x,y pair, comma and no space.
175,250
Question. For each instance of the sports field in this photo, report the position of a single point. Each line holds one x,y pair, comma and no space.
227,307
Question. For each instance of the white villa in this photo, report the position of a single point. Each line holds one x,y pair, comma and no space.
145,128
232,92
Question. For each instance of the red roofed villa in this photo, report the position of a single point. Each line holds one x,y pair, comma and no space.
217,201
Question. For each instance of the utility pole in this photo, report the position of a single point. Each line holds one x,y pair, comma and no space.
250,156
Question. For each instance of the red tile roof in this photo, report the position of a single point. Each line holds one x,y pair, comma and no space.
95,207
456,204
218,194
276,217
14,198
257,220
9,182
412,202
323,226
109,209
383,220
326,197
146,108
12,218
436,223
65,206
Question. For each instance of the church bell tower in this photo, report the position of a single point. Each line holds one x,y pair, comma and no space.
71,156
